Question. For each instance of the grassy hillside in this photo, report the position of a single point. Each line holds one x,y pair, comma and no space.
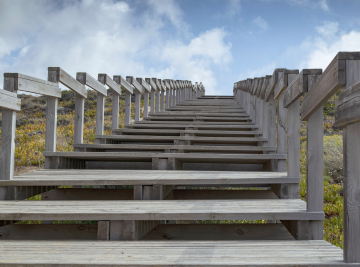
30,145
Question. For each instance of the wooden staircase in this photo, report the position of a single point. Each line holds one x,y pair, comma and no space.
198,184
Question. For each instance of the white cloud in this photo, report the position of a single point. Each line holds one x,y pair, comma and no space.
107,36
322,4
195,60
328,29
260,22
233,7
322,51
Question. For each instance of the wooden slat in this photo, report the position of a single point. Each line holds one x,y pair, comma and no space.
144,177
105,79
144,84
70,82
272,83
268,209
124,84
152,83
34,85
85,79
48,232
299,86
9,100
347,109
333,78
133,82
282,84
244,253
177,232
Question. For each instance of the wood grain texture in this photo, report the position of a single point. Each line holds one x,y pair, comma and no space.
59,75
85,79
123,83
9,100
282,84
299,85
137,106
134,83
115,111
105,79
314,170
289,209
333,78
273,81
127,118
51,123
197,253
79,119
100,109
351,193
144,84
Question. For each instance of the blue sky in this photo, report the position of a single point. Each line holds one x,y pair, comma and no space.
217,42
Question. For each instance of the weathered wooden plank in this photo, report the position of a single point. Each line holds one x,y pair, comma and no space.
273,81
152,84
85,79
314,170
49,232
282,84
289,209
218,232
144,177
332,79
144,84
105,79
123,83
34,85
299,86
79,119
9,100
133,82
51,123
347,108
100,109
268,253
351,191
59,75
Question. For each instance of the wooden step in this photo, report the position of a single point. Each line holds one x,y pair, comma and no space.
197,118
145,177
228,127
105,139
271,253
196,122
177,232
173,148
200,113
165,232
177,132
148,157
242,209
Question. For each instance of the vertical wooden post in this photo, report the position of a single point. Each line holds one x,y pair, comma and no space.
100,106
314,171
127,107
351,193
137,106
158,100
8,134
293,144
168,98
115,110
162,105
146,103
51,117
79,119
152,104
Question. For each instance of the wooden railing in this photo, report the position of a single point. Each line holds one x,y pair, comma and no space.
274,104
176,92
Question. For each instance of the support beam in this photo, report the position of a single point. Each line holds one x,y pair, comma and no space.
127,107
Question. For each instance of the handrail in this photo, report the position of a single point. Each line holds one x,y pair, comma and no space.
277,105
